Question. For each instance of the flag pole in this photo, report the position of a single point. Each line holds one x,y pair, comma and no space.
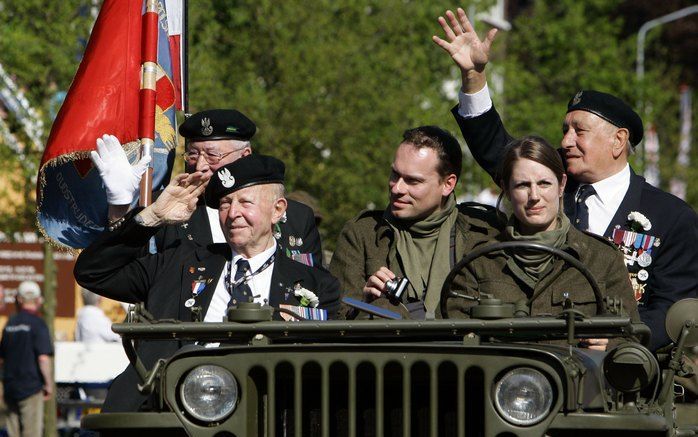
185,56
146,121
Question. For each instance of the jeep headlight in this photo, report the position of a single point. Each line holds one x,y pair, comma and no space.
209,393
523,396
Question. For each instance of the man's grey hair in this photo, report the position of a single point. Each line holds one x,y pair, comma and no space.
89,298
239,145
277,191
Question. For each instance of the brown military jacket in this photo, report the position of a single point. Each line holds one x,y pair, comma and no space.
366,244
490,274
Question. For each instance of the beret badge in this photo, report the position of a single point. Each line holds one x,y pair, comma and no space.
577,98
206,128
227,179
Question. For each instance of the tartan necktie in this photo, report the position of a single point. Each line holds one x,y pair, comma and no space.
238,289
581,215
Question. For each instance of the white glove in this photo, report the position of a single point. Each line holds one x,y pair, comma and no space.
121,180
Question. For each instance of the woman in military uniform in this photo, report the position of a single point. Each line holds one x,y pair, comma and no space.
533,181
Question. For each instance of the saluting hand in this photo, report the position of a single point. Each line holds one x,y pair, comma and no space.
178,201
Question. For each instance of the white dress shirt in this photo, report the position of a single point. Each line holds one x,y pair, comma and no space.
259,283
472,105
604,204
215,225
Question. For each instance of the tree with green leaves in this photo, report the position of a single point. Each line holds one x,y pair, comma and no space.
331,85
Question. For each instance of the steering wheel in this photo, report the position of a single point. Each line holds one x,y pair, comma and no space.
446,292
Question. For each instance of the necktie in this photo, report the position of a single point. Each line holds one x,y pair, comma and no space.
240,291
581,214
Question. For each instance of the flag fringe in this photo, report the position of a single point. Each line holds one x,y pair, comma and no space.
55,162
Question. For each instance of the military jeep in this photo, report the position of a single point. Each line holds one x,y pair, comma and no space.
491,375
401,377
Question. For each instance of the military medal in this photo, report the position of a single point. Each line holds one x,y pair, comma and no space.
299,241
198,286
642,275
291,240
638,289
644,260
190,302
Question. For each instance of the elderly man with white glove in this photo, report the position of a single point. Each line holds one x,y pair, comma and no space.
216,138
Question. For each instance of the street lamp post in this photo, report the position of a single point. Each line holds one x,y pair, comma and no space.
642,33
640,60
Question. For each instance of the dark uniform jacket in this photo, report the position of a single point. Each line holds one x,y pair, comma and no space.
296,234
671,274
366,244
111,267
490,274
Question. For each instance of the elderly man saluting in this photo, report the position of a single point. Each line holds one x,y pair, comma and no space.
189,282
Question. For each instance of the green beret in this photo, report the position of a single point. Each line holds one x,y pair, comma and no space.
218,124
249,170
610,108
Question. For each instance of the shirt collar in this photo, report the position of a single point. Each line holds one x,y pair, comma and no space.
258,260
607,189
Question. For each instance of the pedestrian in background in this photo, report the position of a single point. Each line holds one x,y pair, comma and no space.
25,352
93,326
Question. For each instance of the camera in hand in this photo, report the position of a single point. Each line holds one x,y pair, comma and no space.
394,289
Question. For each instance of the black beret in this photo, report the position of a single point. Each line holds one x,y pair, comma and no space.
249,170
610,108
218,124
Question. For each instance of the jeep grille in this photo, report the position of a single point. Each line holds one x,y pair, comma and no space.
379,390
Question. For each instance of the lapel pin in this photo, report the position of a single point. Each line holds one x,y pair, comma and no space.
642,275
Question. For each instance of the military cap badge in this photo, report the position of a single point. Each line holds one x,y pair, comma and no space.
206,128
227,179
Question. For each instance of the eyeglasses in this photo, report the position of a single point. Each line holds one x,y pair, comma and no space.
192,156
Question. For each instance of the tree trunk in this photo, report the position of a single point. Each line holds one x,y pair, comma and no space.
49,311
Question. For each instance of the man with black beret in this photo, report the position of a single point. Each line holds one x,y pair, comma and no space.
657,232
189,282
215,138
